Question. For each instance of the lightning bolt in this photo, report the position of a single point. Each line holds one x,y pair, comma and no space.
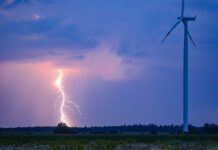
64,101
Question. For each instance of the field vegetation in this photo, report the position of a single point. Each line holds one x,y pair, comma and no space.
108,141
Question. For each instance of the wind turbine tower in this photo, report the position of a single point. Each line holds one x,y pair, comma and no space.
183,19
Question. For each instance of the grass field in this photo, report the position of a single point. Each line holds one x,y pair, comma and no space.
104,142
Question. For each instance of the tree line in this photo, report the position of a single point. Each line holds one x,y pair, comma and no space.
137,128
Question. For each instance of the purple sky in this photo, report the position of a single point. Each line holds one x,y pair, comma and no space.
115,67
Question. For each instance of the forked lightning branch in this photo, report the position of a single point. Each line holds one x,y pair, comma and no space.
63,101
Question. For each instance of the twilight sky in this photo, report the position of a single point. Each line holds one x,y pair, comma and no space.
115,67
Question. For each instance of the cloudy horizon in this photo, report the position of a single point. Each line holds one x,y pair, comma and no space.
115,67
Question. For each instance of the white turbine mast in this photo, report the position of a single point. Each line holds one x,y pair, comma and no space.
183,19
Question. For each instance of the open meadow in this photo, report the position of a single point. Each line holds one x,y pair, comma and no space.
108,142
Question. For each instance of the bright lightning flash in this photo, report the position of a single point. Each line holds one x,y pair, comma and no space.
64,101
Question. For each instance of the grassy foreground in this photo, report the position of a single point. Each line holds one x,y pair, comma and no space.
104,142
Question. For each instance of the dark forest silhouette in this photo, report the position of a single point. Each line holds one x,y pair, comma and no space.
150,128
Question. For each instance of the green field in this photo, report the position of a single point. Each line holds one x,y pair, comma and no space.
103,142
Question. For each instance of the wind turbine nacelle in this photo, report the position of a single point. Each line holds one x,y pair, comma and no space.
187,18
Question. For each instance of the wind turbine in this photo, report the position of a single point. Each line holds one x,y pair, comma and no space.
184,20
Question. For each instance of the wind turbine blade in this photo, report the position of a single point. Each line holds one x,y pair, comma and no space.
168,33
183,6
191,39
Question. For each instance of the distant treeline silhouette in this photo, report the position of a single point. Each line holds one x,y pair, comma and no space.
138,128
